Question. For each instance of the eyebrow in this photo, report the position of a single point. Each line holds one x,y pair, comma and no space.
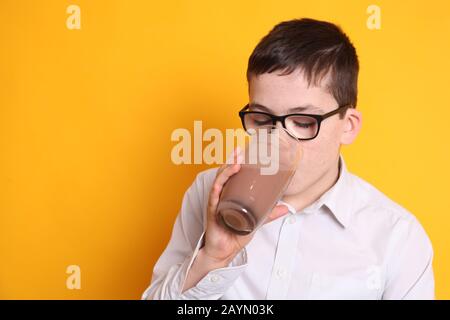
298,109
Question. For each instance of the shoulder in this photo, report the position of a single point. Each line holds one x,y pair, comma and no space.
196,197
376,211
192,215
204,179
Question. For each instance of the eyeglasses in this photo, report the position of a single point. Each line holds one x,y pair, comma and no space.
302,126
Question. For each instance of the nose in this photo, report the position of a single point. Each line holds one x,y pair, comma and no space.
278,124
285,131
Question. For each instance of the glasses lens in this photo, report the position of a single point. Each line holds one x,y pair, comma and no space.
303,127
257,121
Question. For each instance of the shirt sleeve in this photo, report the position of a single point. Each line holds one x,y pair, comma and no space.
172,267
410,272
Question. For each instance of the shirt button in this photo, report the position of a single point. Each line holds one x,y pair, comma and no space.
214,278
281,273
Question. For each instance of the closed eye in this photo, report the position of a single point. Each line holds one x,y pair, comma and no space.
304,124
262,122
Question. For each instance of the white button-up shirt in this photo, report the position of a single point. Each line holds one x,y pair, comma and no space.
352,243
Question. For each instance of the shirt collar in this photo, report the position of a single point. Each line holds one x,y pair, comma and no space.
337,199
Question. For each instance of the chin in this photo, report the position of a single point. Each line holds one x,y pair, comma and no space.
293,190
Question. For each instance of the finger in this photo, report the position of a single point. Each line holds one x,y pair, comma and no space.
218,186
277,212
235,156
214,198
222,176
227,173
227,170
219,182
239,155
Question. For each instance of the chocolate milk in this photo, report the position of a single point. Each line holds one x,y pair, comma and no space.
248,197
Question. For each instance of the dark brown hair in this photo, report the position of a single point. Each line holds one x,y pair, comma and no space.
315,47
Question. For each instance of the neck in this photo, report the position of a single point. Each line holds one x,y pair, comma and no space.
305,198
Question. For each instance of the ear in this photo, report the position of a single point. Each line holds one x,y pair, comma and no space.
352,126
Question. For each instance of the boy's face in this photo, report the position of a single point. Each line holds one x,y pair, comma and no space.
319,156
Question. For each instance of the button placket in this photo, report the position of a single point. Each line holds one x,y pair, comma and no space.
284,259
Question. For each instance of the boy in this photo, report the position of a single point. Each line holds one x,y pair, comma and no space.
332,235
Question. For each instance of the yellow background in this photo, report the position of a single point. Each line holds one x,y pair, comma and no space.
86,117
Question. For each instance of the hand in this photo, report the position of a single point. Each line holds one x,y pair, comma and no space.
222,245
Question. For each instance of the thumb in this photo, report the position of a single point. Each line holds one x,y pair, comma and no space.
277,212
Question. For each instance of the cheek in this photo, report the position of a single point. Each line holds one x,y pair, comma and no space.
317,156
318,152
327,143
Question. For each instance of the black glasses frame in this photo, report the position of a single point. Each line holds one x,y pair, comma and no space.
319,117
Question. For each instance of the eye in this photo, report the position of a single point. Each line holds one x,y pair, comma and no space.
262,122
259,119
303,124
